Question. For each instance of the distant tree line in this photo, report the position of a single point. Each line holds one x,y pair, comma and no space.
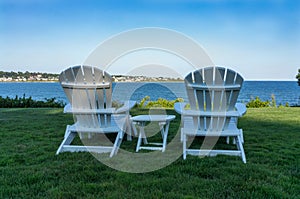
26,74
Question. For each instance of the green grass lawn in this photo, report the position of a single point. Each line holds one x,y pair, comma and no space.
29,167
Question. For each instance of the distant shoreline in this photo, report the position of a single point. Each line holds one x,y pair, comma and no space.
29,81
113,81
170,81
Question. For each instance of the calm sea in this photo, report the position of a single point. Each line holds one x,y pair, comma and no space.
284,91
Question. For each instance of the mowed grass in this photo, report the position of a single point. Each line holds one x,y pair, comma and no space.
29,167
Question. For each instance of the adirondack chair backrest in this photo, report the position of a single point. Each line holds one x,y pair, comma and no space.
213,91
88,89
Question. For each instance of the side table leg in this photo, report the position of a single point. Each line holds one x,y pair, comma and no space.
165,135
139,140
142,136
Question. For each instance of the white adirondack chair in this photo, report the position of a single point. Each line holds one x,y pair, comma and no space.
89,91
213,113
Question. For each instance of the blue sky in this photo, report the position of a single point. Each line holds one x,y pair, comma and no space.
258,38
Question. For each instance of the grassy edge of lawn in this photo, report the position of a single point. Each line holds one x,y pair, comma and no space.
29,167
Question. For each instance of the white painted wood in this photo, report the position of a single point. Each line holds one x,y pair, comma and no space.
88,90
190,91
151,148
94,149
179,107
85,86
89,111
164,123
241,108
212,152
153,118
211,113
213,92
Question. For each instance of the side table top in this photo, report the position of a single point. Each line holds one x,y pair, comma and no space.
153,118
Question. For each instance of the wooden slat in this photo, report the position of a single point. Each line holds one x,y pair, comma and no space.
98,75
100,98
198,79
214,113
78,96
219,76
77,72
224,133
200,99
209,75
91,92
190,91
67,76
220,124
107,99
94,149
98,78
80,100
235,93
88,75
217,100
239,80
108,96
230,77
108,91
218,103
212,152
207,97
93,111
233,99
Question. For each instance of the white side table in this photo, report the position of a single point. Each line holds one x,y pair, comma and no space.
164,123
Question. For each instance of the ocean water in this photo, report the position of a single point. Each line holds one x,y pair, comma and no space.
284,91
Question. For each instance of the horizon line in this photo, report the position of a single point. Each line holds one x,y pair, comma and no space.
245,79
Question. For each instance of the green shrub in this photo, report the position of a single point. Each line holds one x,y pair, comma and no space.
142,102
23,102
257,103
160,103
286,105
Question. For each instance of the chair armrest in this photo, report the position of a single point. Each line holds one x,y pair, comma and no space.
179,107
91,111
67,108
126,107
241,109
